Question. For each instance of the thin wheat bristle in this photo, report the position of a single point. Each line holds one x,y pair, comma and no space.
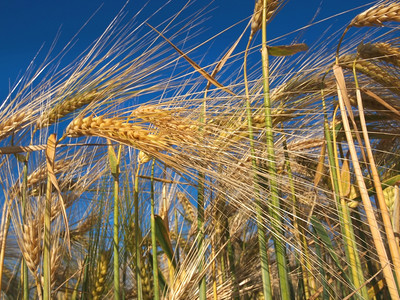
378,15
382,51
256,20
9,126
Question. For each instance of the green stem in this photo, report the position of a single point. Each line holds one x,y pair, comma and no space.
47,240
137,237
350,246
304,257
231,257
153,238
262,241
24,196
275,203
200,227
116,234
4,240
200,212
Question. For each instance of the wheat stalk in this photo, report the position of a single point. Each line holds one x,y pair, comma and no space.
376,16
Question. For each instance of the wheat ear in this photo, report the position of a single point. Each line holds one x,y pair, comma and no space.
117,130
373,71
187,207
66,107
9,126
256,20
31,245
164,119
381,51
376,16
101,274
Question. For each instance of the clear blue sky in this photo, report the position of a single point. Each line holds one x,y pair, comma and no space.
25,25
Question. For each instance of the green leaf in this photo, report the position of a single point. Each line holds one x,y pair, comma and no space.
163,239
286,50
326,241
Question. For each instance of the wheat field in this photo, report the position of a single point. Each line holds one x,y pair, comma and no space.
138,172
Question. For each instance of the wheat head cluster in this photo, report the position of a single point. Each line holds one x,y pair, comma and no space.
139,172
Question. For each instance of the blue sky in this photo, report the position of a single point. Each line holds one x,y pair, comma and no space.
26,25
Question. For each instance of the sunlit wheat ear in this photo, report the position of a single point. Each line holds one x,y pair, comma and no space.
101,275
256,20
373,71
376,16
32,249
187,207
56,254
165,119
116,130
147,280
67,106
390,194
381,51
14,123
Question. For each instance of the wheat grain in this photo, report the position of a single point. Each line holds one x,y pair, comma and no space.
376,16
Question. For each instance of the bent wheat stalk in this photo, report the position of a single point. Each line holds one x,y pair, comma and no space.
393,247
372,222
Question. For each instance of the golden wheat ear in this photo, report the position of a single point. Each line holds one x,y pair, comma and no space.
11,125
380,51
376,16
256,20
